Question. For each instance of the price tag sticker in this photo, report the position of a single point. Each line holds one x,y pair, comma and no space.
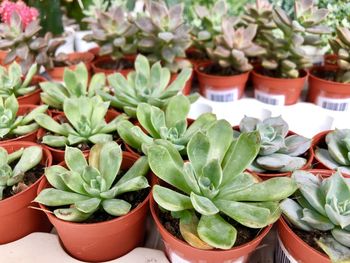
222,95
277,100
334,104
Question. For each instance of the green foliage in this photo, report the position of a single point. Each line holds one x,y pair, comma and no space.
26,159
322,205
86,187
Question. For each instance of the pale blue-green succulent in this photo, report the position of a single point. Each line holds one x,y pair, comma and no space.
88,186
322,205
213,183
26,159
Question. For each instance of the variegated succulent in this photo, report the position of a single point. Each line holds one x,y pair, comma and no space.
279,152
12,82
27,158
164,35
212,185
285,56
337,154
146,84
25,45
341,47
85,123
75,84
12,125
113,32
322,205
93,187
170,125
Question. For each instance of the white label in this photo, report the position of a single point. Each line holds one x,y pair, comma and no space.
334,104
174,258
278,100
222,95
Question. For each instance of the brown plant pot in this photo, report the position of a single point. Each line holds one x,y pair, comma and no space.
324,92
179,251
3,55
278,91
220,88
30,137
16,218
57,72
107,240
58,154
32,98
97,65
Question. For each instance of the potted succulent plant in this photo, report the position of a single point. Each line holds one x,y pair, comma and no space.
206,203
146,84
282,74
85,122
23,43
171,125
17,122
164,36
21,169
225,77
25,88
76,83
281,151
330,85
100,214
116,37
315,220
332,150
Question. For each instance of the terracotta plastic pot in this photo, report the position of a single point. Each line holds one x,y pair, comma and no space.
278,91
30,137
3,55
220,88
194,55
330,59
328,94
32,98
188,85
179,251
58,154
97,65
86,57
16,218
105,240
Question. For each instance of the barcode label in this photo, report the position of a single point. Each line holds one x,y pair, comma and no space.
267,98
222,95
334,104
282,255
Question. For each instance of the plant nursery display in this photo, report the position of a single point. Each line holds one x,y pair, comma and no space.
320,209
336,154
281,151
18,122
211,198
107,193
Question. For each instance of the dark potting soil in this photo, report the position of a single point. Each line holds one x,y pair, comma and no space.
115,65
196,55
326,75
69,62
217,70
244,234
30,177
311,237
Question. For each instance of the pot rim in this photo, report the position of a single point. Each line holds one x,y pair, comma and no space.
38,79
255,73
328,82
206,63
159,225
44,182
48,163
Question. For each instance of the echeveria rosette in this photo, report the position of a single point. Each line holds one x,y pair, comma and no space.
88,186
278,152
12,174
170,125
337,154
322,205
11,81
146,84
76,83
213,183
13,125
86,123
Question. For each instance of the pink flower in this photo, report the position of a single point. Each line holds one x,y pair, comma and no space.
27,14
